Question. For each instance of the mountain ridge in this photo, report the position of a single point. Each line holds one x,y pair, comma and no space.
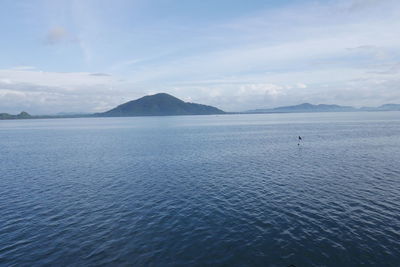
307,107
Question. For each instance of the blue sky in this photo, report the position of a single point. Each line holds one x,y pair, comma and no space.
88,56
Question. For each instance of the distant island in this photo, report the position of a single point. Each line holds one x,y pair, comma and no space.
307,107
22,115
163,104
159,105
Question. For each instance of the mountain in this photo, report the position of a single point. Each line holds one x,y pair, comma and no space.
159,105
305,107
389,107
385,107
72,114
22,115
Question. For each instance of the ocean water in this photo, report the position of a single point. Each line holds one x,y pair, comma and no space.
227,190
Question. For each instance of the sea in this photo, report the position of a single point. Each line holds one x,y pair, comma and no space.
223,190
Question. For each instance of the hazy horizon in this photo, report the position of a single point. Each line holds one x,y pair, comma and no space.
239,111
90,56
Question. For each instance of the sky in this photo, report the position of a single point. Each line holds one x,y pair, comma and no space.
91,55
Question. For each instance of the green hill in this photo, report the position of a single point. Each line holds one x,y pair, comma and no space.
22,115
159,105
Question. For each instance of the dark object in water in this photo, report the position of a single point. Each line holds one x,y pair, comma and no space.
300,139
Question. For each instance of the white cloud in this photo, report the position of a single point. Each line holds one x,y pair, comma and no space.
5,81
378,53
301,85
6,92
23,68
51,92
272,90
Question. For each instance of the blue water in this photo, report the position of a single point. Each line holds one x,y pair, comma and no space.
228,190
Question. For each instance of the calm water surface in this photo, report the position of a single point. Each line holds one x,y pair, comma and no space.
233,190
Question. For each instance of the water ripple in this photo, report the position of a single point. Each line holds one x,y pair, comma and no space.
194,191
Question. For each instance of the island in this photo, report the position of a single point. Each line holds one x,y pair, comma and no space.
160,104
22,115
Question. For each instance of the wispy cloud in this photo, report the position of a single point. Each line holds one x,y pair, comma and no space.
100,74
360,5
57,35
24,68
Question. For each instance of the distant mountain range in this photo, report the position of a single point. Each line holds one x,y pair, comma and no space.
386,107
167,105
159,105
307,107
